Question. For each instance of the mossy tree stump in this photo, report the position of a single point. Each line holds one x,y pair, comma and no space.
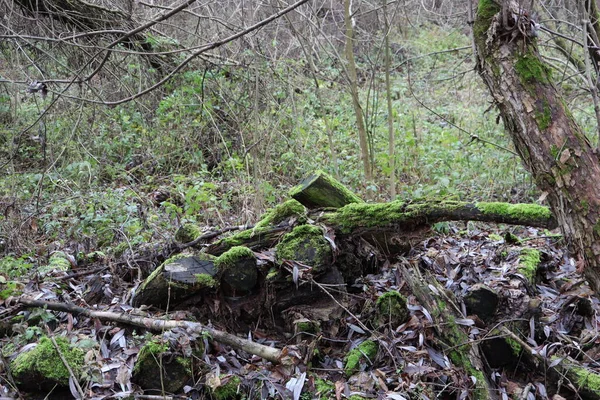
321,190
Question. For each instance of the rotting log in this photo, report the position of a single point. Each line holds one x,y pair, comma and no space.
322,190
450,337
176,279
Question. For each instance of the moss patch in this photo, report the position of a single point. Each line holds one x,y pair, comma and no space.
43,364
188,233
391,307
385,214
229,389
206,281
587,379
532,70
529,261
310,189
486,9
305,244
232,256
289,208
522,211
365,352
242,237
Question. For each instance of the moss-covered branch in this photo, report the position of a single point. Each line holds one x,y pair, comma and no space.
406,216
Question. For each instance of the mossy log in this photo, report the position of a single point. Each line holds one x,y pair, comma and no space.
321,190
389,223
238,271
175,280
450,337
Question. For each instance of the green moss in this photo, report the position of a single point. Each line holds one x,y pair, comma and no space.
366,351
520,211
188,233
316,196
532,70
597,228
205,280
392,309
150,353
459,355
529,261
308,326
44,362
325,389
273,274
58,262
495,237
587,379
585,206
243,237
486,9
282,211
381,214
543,114
229,390
514,345
232,256
306,244
10,288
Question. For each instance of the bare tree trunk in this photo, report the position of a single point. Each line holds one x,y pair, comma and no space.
549,141
352,77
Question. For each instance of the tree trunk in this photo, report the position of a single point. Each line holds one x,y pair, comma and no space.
549,141
352,77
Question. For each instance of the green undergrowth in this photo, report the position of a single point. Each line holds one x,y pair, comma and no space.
223,153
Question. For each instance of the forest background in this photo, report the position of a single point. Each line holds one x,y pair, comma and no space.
223,133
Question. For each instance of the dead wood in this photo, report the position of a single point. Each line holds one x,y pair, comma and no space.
450,337
159,325
576,377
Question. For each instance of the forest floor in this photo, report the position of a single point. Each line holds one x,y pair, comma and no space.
409,363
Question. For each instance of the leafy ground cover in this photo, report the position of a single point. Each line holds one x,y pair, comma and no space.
103,184
407,361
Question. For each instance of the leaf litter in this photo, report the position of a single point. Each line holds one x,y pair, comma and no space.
408,365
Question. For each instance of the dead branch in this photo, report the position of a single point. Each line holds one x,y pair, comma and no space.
158,325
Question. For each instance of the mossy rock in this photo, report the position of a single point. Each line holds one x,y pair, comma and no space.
392,309
307,245
176,279
361,356
42,367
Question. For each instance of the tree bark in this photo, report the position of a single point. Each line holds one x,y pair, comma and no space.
551,144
